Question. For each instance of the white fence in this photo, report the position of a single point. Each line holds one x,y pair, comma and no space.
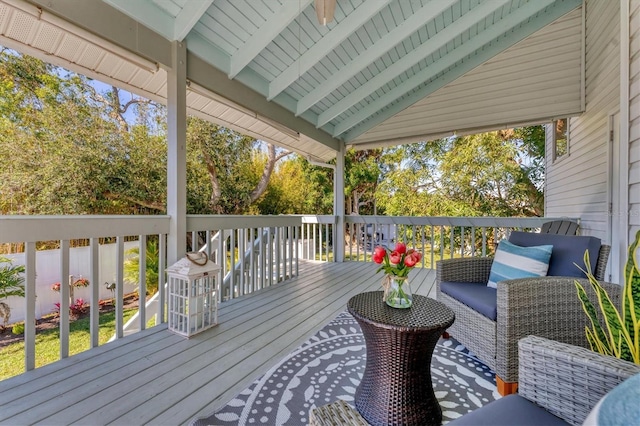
48,272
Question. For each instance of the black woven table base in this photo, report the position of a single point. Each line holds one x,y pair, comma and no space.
396,388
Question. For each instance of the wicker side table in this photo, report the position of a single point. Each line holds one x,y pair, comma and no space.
396,387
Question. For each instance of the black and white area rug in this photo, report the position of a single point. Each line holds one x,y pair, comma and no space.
329,366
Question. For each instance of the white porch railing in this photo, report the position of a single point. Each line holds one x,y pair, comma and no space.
435,237
253,251
60,231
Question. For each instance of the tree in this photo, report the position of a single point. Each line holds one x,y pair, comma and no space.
229,159
362,174
495,173
63,150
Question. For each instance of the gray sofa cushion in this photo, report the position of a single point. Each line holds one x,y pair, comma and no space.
512,410
567,250
477,296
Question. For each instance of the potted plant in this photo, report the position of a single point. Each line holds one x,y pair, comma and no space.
620,336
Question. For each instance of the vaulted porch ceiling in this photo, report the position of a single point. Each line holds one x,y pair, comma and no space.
382,72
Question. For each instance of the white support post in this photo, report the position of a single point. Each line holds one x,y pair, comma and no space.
177,152
338,205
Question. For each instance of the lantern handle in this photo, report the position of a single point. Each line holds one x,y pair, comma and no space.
199,259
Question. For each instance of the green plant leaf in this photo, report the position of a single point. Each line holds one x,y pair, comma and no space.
631,300
597,334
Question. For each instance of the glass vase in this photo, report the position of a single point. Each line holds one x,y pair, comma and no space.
397,292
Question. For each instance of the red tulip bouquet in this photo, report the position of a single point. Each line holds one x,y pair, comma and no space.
397,264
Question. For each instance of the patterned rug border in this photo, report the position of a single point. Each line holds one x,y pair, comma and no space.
329,365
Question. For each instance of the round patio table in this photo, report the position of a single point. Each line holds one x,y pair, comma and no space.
396,387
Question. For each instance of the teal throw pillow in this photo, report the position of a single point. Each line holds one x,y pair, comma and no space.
512,261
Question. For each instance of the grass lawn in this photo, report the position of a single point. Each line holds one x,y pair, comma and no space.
48,343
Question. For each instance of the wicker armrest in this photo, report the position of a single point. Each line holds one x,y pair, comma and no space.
470,269
541,306
567,380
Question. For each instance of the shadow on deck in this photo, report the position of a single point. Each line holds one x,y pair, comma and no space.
158,377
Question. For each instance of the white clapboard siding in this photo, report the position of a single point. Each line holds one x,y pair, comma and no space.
634,118
157,377
505,90
577,184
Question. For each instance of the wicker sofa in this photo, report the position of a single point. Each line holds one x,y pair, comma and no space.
559,385
544,306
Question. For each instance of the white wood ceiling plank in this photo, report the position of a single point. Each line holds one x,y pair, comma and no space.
366,57
515,35
263,36
440,39
325,45
188,17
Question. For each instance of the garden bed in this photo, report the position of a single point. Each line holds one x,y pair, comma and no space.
52,321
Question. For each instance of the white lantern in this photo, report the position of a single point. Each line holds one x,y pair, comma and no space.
193,294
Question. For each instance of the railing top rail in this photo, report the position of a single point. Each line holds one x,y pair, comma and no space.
324,219
210,222
25,228
502,222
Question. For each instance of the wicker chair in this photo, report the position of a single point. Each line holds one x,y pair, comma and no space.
543,306
556,378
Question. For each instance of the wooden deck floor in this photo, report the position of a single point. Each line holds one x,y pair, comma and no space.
157,377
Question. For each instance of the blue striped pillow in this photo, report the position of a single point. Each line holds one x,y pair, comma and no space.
512,261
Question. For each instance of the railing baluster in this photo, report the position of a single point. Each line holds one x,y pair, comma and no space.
432,249
261,263
30,305
94,273
484,241
252,258
194,241
270,251
162,265
142,281
297,230
242,250
232,265
63,323
120,287
473,241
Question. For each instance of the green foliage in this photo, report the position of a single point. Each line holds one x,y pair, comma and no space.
132,266
66,149
18,328
11,280
488,174
223,171
621,335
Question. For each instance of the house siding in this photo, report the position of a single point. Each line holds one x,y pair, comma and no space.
577,184
634,119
